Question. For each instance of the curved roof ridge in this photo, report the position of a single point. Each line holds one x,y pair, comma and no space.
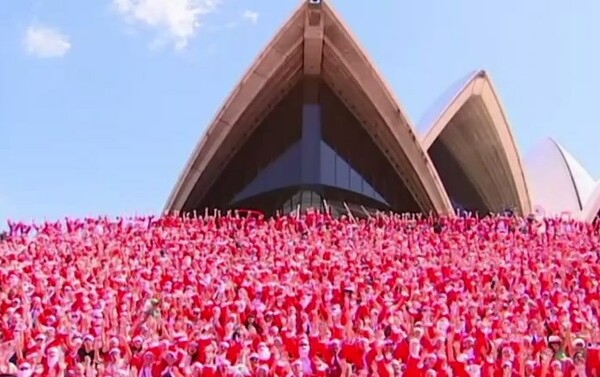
443,101
251,81
372,76
479,91
582,180
558,182
283,63
592,206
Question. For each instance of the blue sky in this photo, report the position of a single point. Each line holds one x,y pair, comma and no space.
102,101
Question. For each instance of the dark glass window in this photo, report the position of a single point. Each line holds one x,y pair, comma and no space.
276,134
371,174
459,187
267,171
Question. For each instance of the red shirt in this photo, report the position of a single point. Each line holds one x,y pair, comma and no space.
412,367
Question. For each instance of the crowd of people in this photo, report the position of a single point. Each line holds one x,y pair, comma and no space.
305,295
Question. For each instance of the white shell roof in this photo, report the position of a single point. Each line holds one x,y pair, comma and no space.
592,206
584,182
557,181
442,102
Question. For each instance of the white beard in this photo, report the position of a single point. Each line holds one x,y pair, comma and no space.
25,373
53,361
264,354
305,301
442,326
415,350
474,370
260,306
304,351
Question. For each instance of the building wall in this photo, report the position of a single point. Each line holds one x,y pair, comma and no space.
320,146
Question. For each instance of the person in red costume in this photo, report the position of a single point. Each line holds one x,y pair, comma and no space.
149,366
309,295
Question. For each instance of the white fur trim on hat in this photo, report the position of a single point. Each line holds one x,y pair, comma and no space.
554,339
556,364
462,358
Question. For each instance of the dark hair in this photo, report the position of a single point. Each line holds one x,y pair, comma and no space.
387,331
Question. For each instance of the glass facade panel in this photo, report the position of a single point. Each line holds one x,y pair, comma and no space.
369,191
268,142
458,185
283,172
328,163
289,199
303,199
342,172
314,151
344,176
311,139
356,149
356,181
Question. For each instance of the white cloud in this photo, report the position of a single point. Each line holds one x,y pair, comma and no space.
46,42
176,21
251,16
228,26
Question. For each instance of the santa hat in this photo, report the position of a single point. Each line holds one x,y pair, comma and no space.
137,339
468,340
554,339
115,351
154,350
179,336
242,370
530,363
224,362
419,330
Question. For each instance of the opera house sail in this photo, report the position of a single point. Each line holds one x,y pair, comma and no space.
471,144
558,183
312,119
312,123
